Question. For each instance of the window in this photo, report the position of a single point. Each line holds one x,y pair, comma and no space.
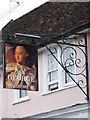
54,76
52,71
20,93
20,96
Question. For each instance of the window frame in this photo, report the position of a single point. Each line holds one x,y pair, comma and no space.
61,81
18,99
52,82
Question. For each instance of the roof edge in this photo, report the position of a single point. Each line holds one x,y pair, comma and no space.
74,30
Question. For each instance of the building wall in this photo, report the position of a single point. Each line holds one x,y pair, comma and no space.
38,102
45,20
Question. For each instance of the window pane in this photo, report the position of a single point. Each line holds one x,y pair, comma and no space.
52,71
71,69
53,75
69,63
23,93
52,63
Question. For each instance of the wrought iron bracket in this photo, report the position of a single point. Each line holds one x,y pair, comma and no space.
77,57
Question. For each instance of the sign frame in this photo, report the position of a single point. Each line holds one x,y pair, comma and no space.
28,47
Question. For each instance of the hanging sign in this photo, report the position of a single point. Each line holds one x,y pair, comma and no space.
20,66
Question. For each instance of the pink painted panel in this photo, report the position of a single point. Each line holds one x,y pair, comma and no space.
38,103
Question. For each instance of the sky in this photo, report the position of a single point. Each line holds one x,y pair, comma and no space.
13,9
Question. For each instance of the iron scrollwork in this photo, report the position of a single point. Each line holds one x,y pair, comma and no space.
73,59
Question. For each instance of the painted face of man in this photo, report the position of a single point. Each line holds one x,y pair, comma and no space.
20,55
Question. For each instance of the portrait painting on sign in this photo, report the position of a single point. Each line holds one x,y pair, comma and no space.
20,67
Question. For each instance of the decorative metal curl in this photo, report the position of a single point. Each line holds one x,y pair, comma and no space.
76,58
81,42
73,57
82,81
